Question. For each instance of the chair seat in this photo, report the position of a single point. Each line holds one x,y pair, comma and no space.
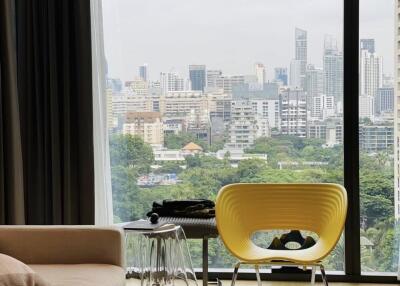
81,274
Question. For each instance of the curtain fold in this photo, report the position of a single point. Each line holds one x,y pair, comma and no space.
55,97
103,192
11,171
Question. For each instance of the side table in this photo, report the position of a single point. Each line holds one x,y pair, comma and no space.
158,257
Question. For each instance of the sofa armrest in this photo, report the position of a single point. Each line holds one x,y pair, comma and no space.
63,244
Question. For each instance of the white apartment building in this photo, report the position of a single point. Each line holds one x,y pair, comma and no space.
183,103
263,128
366,107
172,82
322,106
370,73
243,125
294,113
212,77
267,109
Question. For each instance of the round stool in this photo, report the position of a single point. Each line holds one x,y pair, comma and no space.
159,257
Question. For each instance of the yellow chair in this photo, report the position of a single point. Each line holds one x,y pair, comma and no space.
243,209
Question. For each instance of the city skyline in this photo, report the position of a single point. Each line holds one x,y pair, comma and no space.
238,50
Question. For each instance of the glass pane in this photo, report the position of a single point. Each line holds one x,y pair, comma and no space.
379,246
206,93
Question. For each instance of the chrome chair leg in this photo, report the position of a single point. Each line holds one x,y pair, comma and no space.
257,268
235,273
324,280
313,269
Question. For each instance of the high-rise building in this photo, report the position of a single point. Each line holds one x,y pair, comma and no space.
333,69
172,82
301,53
384,100
366,107
197,74
267,109
294,112
243,125
367,44
315,81
259,69
295,74
322,106
281,75
212,78
314,84
143,72
370,73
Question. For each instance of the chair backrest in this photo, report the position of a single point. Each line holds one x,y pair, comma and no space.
242,209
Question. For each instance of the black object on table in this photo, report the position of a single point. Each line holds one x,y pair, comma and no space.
197,228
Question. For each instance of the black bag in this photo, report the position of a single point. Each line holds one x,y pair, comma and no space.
196,208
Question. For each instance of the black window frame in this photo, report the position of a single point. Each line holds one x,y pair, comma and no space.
352,273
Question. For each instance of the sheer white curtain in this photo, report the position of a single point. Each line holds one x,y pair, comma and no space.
103,192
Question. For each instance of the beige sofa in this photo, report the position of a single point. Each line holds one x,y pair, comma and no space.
68,255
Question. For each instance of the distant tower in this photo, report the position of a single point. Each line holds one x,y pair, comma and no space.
370,73
143,72
197,74
259,69
301,54
281,74
333,69
367,44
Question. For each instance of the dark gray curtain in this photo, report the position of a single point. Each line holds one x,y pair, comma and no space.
55,97
11,171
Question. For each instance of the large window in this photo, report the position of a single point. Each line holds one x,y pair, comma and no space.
379,240
206,93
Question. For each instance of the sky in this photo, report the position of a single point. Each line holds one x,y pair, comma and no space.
230,35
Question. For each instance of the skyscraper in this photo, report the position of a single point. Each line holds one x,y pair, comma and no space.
301,53
281,74
333,69
259,69
197,74
143,73
396,120
370,73
314,84
295,74
367,44
384,100
315,81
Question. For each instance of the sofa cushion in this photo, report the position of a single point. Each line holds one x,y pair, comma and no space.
81,274
15,273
